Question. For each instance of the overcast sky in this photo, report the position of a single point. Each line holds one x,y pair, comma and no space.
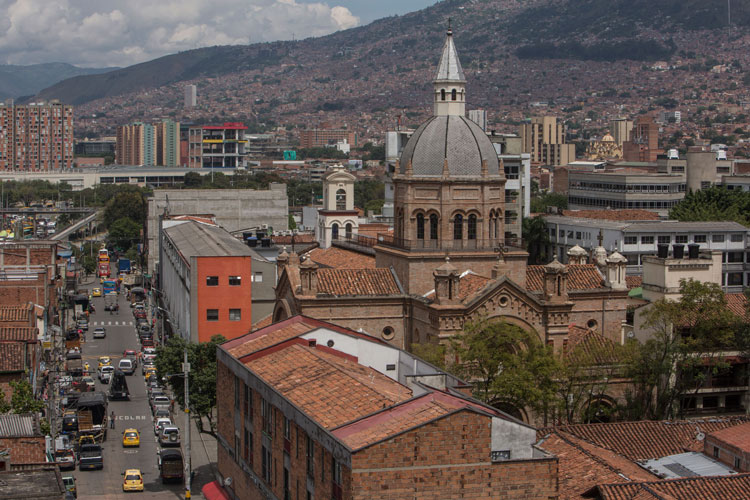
122,32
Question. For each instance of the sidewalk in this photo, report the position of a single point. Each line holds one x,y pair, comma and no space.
203,454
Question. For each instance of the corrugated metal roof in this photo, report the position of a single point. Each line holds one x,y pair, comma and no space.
681,227
691,464
17,426
200,240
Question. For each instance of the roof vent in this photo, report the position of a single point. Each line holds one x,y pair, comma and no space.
311,342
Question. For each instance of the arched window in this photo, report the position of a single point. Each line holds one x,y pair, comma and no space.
335,231
433,226
420,226
442,94
340,199
497,224
453,95
458,227
349,230
472,229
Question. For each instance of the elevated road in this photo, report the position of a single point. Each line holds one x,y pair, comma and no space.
63,235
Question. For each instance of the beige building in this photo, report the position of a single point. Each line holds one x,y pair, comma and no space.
620,129
544,139
338,218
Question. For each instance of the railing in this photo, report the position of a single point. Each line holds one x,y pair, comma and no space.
431,245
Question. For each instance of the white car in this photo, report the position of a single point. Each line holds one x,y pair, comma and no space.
105,373
100,333
159,424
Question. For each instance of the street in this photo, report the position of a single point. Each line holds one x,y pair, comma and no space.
135,413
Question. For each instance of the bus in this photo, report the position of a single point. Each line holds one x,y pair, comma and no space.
109,286
104,270
103,255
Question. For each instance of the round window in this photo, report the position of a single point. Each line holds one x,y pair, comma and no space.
504,301
388,333
329,343
592,324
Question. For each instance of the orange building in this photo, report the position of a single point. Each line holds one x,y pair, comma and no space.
206,277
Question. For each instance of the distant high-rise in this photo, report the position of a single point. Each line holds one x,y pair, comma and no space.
620,130
544,139
191,96
479,116
148,145
168,143
36,137
643,144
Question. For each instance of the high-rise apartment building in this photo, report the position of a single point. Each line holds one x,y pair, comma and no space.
620,128
322,137
217,146
544,139
479,116
148,145
191,96
36,137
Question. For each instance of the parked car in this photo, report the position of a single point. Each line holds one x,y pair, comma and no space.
99,333
159,423
90,457
83,324
90,384
147,365
66,459
162,412
169,436
105,373
160,400
132,356
126,366
70,484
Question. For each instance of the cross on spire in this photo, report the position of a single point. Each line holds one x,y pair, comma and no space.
600,237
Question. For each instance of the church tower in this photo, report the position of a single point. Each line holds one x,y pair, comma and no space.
449,194
338,219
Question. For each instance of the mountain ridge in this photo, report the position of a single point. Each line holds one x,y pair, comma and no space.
22,80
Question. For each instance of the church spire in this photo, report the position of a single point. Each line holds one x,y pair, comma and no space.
449,81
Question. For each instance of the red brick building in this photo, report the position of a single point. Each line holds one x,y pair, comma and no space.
307,409
36,137
731,446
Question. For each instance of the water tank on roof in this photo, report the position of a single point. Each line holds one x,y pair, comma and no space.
252,241
265,242
673,154
721,155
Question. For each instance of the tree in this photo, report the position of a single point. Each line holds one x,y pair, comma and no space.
124,233
193,180
292,222
202,359
88,263
124,204
22,400
536,236
714,204
539,204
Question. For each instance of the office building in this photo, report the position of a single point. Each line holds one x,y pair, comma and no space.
191,96
96,147
620,128
217,146
323,137
643,144
309,409
479,116
206,279
544,139
36,137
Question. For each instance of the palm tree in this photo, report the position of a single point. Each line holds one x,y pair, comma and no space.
537,240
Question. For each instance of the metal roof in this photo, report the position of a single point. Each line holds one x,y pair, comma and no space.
18,426
193,239
684,227
690,464
449,67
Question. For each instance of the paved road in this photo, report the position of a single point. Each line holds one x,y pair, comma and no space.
107,483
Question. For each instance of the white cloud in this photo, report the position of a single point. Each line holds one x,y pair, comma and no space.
117,33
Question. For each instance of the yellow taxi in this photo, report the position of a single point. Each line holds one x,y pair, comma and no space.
96,292
130,437
150,372
105,361
133,480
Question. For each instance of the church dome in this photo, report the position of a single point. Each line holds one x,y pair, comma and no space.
608,138
454,138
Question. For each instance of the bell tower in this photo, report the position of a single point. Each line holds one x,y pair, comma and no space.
449,83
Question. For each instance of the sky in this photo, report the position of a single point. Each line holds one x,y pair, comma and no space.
103,33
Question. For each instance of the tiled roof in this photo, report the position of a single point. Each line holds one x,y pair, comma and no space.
582,466
298,238
734,487
15,313
633,281
12,357
738,436
737,303
266,337
339,258
648,439
347,282
468,285
590,345
626,214
18,333
580,277
325,386
268,320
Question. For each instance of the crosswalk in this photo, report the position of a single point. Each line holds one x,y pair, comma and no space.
111,323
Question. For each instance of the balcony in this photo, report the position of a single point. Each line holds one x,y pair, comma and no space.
429,245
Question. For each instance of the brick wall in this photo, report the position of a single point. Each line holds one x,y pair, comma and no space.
449,458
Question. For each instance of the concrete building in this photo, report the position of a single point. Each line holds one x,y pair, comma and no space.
167,143
323,137
638,239
191,96
517,191
95,147
644,141
233,209
206,279
308,409
544,139
704,168
620,128
36,137
337,218
148,145
479,116
217,146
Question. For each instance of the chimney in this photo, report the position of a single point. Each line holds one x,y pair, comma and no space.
555,282
308,274
447,281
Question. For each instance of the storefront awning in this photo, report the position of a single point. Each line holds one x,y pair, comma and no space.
213,491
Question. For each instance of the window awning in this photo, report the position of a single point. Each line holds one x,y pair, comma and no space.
214,491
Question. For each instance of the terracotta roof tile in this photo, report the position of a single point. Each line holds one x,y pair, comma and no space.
372,230
733,487
738,436
580,277
469,284
590,345
633,281
582,466
298,238
737,303
329,390
348,282
621,214
18,334
648,439
339,258
268,320
268,336
15,313
12,357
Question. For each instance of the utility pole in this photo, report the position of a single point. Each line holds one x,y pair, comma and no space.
188,468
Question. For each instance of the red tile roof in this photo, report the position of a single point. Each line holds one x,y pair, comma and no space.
269,336
329,388
733,487
268,320
737,303
348,282
15,313
298,238
340,258
18,334
620,215
580,277
12,356
738,436
592,346
468,285
648,439
633,281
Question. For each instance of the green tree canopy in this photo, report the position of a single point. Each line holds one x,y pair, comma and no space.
714,204
124,233
126,204
536,236
540,203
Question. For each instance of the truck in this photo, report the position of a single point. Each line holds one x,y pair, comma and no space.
110,301
73,363
170,465
90,457
123,265
91,409
118,388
